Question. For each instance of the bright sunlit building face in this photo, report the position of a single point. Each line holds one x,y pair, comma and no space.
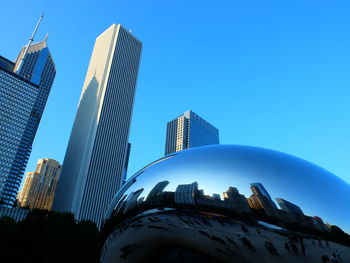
94,163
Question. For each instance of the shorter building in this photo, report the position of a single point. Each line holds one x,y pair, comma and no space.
259,189
39,188
132,201
188,131
261,200
237,201
289,207
17,214
23,194
319,224
216,197
185,194
156,191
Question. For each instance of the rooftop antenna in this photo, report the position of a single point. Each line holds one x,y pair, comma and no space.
30,42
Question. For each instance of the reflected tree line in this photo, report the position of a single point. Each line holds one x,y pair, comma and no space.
259,206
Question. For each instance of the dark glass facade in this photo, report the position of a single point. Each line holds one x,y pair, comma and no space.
17,99
37,70
187,131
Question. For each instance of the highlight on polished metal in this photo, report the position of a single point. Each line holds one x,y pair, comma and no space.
225,202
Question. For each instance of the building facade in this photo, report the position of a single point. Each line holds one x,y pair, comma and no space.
39,187
289,207
17,99
259,189
39,68
95,158
131,202
23,193
188,131
24,89
185,193
261,199
236,200
157,190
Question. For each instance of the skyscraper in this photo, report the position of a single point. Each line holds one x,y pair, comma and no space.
259,189
97,149
236,200
188,131
17,98
39,187
185,193
289,207
24,88
261,199
23,193
157,190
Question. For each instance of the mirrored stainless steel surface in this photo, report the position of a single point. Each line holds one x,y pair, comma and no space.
227,203
291,189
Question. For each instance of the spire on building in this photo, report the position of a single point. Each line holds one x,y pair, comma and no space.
31,39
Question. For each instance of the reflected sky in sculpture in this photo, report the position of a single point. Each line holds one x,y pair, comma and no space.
316,191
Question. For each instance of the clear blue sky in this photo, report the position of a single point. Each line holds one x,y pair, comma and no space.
274,74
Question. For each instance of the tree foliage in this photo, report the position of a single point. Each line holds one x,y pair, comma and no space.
48,237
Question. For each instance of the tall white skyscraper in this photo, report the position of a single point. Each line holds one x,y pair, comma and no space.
94,161
188,131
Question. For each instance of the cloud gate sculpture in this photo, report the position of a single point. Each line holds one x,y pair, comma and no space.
228,203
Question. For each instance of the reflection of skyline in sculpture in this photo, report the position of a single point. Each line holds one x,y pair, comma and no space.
260,199
238,201
226,194
218,166
156,190
131,202
258,188
289,207
259,204
185,193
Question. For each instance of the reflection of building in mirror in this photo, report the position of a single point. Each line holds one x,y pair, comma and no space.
259,206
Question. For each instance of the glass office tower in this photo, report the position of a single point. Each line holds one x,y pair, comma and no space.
17,99
22,82
94,162
188,131
39,68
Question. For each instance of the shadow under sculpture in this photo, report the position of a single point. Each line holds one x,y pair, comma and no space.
225,202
